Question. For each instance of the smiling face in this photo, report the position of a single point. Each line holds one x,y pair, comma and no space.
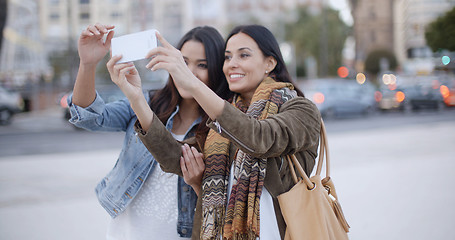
194,55
245,65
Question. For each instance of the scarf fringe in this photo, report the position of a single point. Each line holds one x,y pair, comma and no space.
244,236
213,222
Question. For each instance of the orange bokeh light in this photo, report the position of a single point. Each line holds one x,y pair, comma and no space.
318,98
445,92
399,96
343,72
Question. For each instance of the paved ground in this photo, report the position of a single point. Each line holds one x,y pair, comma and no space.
394,183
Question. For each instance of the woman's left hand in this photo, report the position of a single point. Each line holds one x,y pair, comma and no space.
192,165
126,77
169,58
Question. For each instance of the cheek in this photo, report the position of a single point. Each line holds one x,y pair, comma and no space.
204,77
225,69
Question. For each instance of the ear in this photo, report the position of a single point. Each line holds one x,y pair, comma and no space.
271,63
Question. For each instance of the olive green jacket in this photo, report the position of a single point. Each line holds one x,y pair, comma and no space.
294,129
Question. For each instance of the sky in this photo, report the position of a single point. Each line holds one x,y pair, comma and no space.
345,11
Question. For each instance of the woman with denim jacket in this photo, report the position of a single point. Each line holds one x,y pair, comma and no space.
268,119
143,201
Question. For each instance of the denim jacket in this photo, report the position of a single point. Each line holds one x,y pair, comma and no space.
118,188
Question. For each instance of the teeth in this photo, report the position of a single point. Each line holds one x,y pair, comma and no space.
236,75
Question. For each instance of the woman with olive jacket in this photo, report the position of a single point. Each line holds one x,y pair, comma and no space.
244,152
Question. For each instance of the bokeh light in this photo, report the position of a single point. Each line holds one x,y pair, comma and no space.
360,78
445,92
389,79
445,60
343,72
318,98
399,96
377,96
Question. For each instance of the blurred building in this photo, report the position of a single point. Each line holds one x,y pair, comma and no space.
398,26
37,29
23,57
412,18
373,27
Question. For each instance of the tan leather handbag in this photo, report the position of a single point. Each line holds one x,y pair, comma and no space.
311,209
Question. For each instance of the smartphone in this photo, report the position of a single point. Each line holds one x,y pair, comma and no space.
134,46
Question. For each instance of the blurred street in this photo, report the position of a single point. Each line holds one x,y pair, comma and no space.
393,174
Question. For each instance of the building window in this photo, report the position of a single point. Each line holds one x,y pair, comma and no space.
84,1
116,15
53,2
54,16
84,15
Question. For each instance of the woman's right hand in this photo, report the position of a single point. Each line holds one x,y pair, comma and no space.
91,46
193,166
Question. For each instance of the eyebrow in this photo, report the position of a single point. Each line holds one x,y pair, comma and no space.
241,49
197,60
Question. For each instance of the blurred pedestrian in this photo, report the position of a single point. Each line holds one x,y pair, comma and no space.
143,201
268,119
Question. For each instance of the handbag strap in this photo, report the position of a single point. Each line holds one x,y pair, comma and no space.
323,152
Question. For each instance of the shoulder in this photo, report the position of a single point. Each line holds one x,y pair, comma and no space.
299,102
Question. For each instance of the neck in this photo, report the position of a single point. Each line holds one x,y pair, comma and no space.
189,109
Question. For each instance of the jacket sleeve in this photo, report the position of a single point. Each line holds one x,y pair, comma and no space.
293,129
162,145
100,116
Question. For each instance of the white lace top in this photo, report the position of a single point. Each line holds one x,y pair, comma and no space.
153,213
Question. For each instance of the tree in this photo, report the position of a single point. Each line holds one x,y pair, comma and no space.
440,34
374,58
307,36
3,15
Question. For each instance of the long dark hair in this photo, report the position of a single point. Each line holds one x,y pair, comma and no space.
269,47
165,100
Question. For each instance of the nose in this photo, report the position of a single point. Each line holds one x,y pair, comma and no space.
232,63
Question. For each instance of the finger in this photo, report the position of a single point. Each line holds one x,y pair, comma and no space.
118,68
103,28
162,40
197,158
93,30
86,33
183,167
188,156
157,51
109,37
128,70
110,64
192,158
200,161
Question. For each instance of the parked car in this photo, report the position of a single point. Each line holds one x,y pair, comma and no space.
421,96
390,98
10,103
340,97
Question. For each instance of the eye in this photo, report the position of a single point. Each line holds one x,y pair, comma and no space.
244,55
186,62
202,65
227,57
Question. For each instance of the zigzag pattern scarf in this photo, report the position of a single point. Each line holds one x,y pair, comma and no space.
241,220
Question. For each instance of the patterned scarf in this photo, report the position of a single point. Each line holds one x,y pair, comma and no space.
241,220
